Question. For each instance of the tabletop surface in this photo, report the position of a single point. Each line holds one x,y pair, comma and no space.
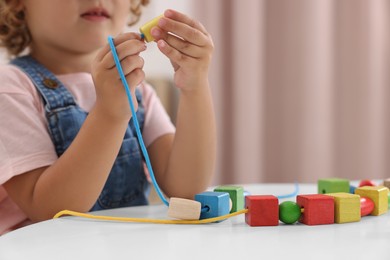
79,238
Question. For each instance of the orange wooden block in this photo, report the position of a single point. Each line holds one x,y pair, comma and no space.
378,194
346,207
318,209
184,209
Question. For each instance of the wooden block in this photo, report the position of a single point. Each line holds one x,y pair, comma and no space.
318,209
386,183
184,209
145,29
236,194
246,193
378,194
263,210
333,185
346,207
216,203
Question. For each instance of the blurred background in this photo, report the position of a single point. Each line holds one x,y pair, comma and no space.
300,87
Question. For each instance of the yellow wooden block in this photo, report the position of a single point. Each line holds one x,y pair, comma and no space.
378,194
184,209
346,207
145,29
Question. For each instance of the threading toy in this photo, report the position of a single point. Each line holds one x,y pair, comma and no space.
327,207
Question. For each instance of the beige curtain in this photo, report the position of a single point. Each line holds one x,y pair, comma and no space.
301,88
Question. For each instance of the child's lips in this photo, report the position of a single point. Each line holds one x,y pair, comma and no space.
96,14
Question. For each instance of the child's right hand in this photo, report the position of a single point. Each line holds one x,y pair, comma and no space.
111,98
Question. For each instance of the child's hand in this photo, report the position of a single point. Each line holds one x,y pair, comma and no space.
189,48
111,96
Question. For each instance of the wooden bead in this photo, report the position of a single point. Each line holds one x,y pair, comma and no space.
378,194
332,185
366,206
363,183
236,194
216,203
145,29
347,207
386,183
263,210
184,209
318,209
289,212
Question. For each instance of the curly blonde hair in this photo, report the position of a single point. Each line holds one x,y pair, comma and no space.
14,34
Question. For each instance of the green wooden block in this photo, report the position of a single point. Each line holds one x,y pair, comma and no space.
333,185
236,194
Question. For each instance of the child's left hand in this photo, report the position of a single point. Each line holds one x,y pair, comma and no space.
189,47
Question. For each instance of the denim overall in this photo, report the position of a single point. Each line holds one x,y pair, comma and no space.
126,184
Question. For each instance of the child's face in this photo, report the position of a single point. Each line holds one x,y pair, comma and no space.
74,25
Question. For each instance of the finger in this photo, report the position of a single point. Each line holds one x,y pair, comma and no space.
183,30
135,78
182,18
131,63
174,55
123,50
181,45
118,40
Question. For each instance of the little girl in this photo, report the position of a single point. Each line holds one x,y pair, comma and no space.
67,140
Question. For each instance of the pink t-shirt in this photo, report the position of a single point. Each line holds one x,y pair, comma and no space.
25,142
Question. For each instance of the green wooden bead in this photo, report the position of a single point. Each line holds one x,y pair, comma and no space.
289,212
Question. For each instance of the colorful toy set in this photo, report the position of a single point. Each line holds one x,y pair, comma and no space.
333,204
337,201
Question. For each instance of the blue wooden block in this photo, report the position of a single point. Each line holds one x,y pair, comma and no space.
214,204
246,193
352,189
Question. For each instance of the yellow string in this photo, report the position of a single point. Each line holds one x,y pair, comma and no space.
146,220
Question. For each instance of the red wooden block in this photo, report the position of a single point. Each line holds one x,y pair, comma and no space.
263,210
318,209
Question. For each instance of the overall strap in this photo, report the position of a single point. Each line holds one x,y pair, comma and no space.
54,93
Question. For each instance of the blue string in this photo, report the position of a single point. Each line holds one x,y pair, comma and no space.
293,194
135,120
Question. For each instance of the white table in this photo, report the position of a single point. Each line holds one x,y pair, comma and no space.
77,238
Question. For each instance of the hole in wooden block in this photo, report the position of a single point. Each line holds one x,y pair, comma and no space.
217,202
184,209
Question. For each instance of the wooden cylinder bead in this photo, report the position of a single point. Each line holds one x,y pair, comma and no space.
363,183
366,206
289,212
146,28
184,209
